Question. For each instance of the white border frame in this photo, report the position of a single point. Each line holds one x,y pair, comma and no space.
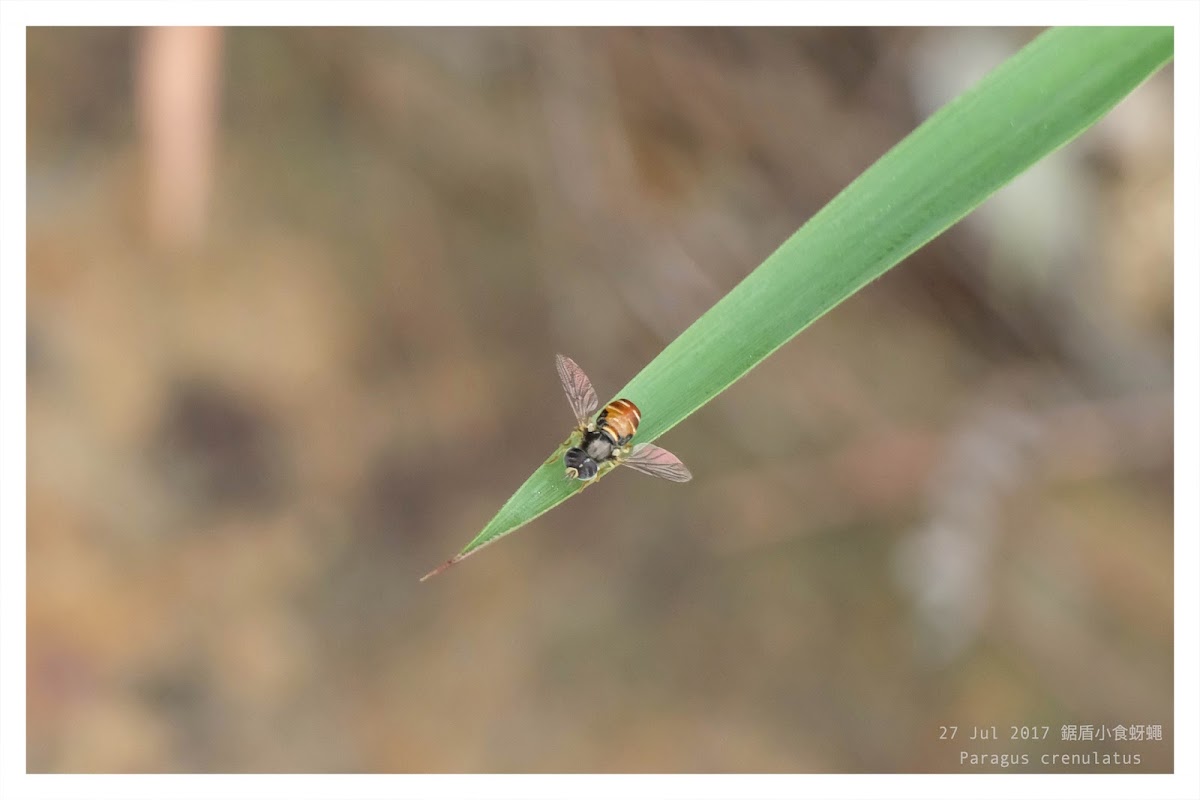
15,15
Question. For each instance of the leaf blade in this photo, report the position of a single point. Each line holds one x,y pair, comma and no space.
1031,105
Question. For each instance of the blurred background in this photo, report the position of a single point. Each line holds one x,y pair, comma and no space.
293,302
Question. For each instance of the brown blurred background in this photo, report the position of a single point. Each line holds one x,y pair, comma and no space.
293,302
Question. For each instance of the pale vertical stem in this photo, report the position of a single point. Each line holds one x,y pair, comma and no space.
177,76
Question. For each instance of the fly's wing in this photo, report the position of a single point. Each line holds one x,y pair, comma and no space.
579,389
653,460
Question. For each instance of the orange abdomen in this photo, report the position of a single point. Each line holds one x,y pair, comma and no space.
619,420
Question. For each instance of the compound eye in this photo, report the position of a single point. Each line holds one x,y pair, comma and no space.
588,469
574,457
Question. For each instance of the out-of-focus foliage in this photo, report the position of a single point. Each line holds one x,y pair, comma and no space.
950,502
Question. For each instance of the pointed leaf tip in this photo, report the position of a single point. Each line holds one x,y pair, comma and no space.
442,568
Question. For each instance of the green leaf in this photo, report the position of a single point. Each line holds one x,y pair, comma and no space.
1034,103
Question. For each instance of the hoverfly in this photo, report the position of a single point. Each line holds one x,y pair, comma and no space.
607,440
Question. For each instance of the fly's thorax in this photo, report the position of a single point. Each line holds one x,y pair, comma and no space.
599,446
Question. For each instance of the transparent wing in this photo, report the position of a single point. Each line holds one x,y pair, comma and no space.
579,389
653,460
